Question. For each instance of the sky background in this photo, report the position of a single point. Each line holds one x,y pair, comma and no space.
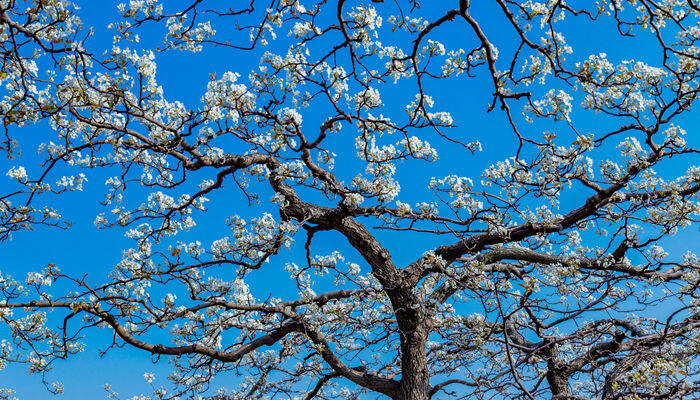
86,250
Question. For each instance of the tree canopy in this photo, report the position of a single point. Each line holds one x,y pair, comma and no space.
347,199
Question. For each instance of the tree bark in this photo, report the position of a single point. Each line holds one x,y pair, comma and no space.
415,381
557,374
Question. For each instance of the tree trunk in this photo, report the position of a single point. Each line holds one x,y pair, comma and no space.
413,391
415,382
558,383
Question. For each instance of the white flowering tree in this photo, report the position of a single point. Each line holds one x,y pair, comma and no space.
338,145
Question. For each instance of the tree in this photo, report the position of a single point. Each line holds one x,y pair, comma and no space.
349,144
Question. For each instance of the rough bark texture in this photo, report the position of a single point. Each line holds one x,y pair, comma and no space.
414,368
